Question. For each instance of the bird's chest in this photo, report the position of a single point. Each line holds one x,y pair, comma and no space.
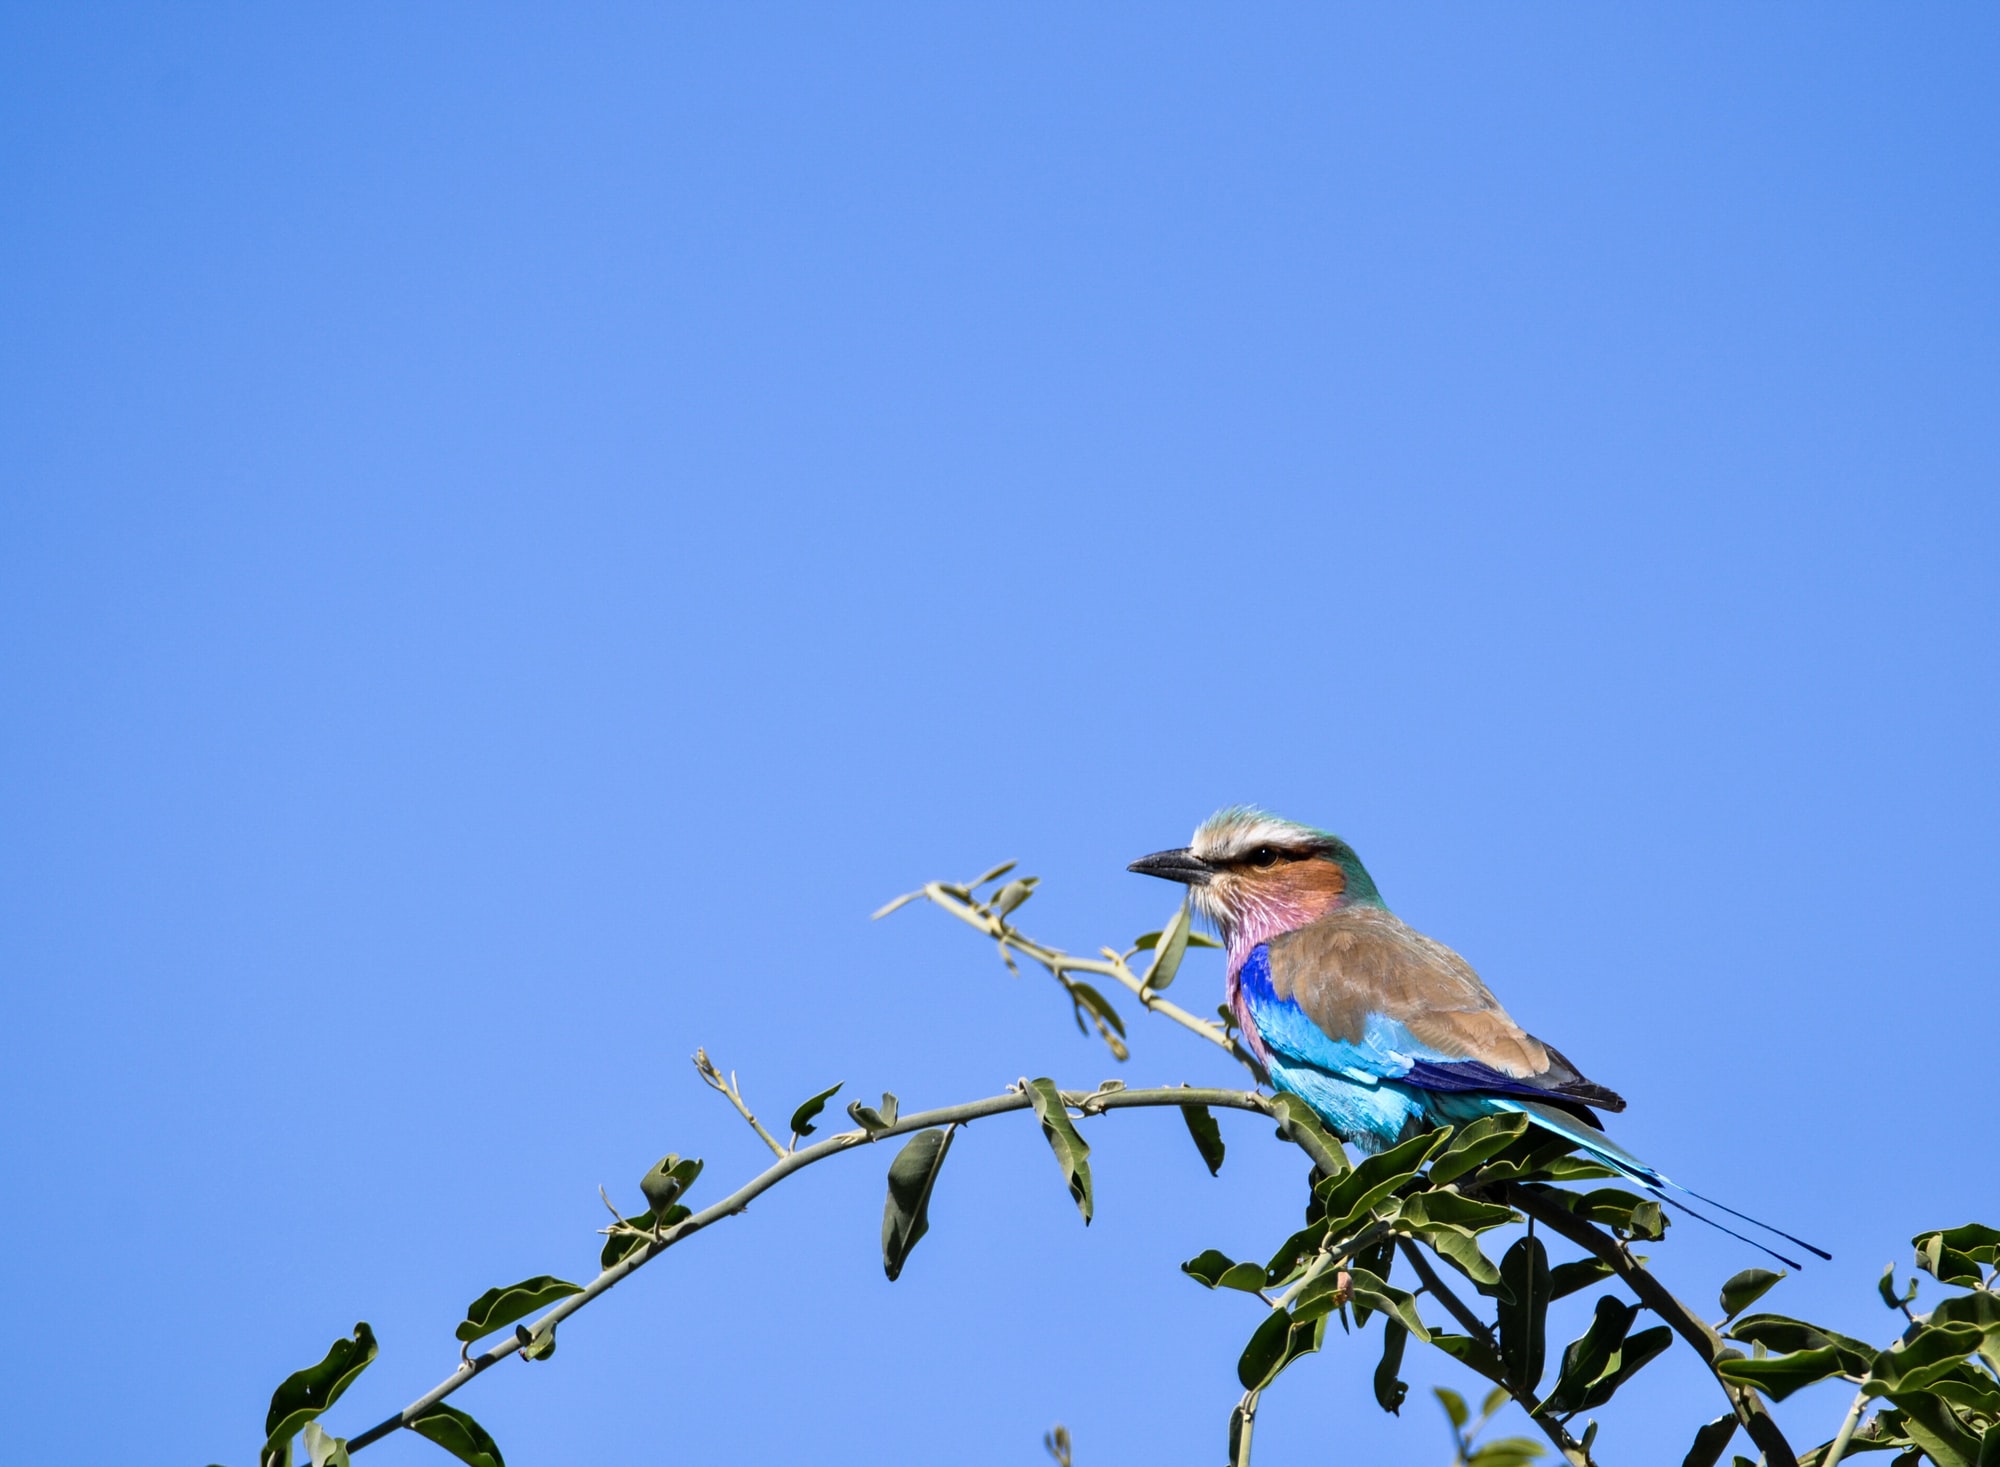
1248,987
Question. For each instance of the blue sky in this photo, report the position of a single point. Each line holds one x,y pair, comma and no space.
521,530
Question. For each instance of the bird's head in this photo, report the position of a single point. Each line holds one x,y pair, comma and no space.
1254,875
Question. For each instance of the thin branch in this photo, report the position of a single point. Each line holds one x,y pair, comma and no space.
1118,970
1539,1204
1244,1419
1572,1450
712,1077
1089,1102
1838,1448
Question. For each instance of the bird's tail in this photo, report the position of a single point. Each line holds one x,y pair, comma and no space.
1587,1137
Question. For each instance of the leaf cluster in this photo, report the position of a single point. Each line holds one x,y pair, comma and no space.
1936,1387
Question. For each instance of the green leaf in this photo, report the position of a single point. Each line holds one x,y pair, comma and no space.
1350,1197
1523,1312
1454,1406
1473,1354
1579,1273
993,875
1217,1270
1378,1259
1938,1257
1926,1357
1207,1136
1745,1289
1591,1355
1969,1390
1110,1028
1479,1142
538,1343
1975,1241
1777,1376
1145,942
1933,1426
1710,1441
1208,1266
1508,1451
1277,1341
902,901
1649,1221
1886,1287
498,1308
1292,1254
1072,1152
1781,1332
1979,1309
323,1450
1576,1169
1261,1357
1013,894
1395,1304
869,1118
1462,1248
1621,1211
1246,1277
1370,1289
1462,1212
1390,1392
806,1114
618,1244
1634,1355
906,1214
1539,1157
306,1393
1172,947
460,1435
1296,1117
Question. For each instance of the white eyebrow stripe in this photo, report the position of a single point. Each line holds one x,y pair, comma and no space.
1231,834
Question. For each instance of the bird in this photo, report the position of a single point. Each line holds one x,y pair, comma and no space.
1384,1032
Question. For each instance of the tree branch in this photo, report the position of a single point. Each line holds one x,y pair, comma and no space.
712,1077
1838,1447
1088,1102
1059,962
1539,1202
1572,1450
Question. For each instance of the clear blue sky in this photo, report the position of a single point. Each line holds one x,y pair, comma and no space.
521,530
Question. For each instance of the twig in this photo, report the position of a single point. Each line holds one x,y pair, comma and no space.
1573,1451
1244,1419
712,1077
1538,1202
1838,1448
787,1163
1118,970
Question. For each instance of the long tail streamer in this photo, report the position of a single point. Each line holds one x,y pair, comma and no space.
1579,1132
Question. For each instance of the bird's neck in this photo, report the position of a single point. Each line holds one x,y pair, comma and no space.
1265,916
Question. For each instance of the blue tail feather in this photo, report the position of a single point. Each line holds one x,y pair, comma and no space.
1594,1141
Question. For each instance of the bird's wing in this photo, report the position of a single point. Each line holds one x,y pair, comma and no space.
1361,989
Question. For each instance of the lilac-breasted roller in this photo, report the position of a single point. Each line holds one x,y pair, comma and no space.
1383,1031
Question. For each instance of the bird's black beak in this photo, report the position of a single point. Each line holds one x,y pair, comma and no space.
1182,866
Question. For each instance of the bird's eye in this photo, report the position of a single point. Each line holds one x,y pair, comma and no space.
1263,856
